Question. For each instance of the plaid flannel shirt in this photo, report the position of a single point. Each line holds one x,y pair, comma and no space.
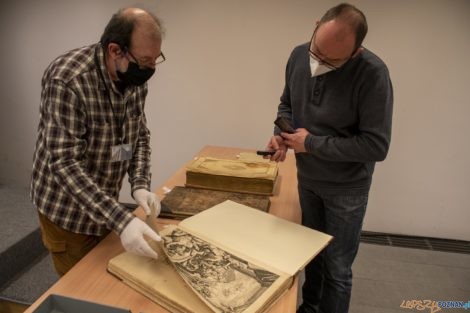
74,182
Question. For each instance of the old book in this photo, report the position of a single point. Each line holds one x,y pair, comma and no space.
182,202
229,258
232,175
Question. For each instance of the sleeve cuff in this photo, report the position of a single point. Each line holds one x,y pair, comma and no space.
120,218
309,143
140,184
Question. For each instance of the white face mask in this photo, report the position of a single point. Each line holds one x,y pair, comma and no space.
316,68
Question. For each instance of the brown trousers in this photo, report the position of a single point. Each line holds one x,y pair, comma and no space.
65,247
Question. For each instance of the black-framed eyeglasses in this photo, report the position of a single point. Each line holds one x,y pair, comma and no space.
160,59
320,59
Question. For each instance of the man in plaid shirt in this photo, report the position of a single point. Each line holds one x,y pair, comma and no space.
92,131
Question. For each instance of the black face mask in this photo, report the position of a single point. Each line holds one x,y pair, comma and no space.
135,76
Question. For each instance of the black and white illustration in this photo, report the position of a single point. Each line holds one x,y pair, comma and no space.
226,282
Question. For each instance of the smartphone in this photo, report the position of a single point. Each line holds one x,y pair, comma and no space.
284,124
265,153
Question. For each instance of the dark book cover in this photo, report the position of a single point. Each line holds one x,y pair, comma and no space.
182,202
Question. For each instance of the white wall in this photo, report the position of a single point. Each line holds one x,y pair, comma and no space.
224,75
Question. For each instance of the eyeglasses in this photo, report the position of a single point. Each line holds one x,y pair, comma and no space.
320,59
149,64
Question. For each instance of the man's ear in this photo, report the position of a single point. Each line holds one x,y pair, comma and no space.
114,50
357,52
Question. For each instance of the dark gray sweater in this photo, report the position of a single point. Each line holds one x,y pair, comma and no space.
348,113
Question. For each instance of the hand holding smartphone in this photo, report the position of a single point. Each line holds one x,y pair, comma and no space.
285,126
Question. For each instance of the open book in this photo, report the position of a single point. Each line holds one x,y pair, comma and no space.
229,258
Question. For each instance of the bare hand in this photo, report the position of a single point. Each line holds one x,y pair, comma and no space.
277,143
296,140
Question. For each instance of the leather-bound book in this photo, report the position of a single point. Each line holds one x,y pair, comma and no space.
182,202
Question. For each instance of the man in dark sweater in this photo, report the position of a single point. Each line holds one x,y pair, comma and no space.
338,97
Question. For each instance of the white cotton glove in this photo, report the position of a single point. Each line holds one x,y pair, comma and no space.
132,238
146,199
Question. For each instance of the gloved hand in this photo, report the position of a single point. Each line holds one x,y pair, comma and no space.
132,238
146,199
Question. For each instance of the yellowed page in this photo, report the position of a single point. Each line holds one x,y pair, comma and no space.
263,237
158,280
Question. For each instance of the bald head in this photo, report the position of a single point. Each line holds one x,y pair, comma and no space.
128,21
143,22
338,35
132,35
350,19
335,39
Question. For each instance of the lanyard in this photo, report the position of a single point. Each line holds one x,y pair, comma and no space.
120,123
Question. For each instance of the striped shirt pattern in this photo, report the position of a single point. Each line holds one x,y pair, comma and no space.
74,182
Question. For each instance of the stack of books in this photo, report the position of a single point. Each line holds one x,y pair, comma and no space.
249,180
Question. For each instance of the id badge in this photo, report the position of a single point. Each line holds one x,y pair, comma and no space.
121,152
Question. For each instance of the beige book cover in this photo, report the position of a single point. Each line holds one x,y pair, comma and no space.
251,156
244,175
229,258
235,168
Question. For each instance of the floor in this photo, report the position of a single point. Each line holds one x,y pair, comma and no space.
18,218
25,267
385,277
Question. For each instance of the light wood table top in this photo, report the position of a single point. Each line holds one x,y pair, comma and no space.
89,280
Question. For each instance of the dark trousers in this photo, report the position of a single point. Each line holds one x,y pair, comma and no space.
328,277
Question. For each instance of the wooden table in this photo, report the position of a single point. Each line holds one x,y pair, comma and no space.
89,280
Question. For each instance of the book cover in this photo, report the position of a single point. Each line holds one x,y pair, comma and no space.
232,175
182,202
